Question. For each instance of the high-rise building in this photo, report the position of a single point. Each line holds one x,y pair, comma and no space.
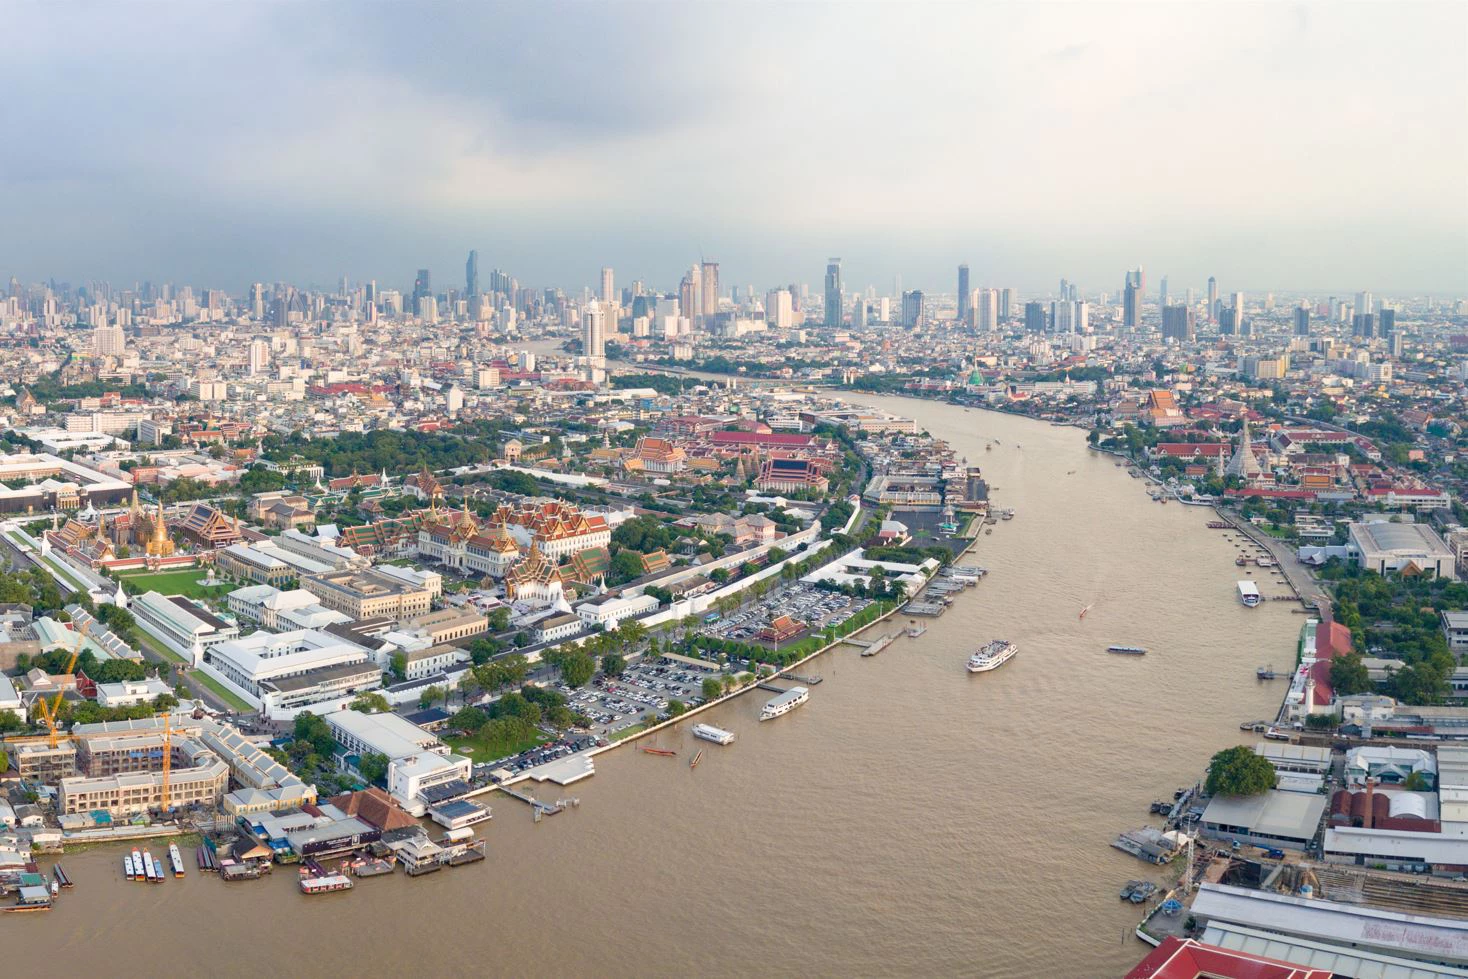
965,297
1212,299
1228,321
1179,323
1302,320
779,309
594,334
1070,316
1162,294
986,311
1363,325
259,355
833,294
257,302
1131,304
471,275
1386,322
108,341
608,285
1034,317
914,315
1006,305
709,289
422,286
1365,303
688,294
1238,304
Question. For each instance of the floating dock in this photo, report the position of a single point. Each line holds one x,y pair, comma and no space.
873,648
930,609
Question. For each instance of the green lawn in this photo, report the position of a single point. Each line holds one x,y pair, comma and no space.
205,680
481,750
185,582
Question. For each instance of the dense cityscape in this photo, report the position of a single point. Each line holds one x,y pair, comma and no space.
728,490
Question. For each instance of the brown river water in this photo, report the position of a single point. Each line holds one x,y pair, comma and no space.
911,819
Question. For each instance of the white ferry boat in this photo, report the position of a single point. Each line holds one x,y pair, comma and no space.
784,703
1248,594
991,656
715,734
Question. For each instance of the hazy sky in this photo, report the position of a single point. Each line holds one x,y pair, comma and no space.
1275,145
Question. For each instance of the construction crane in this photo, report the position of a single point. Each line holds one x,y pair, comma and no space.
167,758
49,711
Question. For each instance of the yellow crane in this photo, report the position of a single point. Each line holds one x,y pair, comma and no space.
167,758
49,710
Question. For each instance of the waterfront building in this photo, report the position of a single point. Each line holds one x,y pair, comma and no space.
1408,548
1270,819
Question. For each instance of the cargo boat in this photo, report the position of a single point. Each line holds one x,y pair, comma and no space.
325,884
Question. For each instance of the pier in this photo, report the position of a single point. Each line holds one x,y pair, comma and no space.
929,609
872,647
539,808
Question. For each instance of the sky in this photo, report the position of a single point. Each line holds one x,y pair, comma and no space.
1280,146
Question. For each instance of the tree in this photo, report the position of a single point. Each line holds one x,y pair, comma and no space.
712,688
612,664
9,721
432,696
626,565
1348,675
521,640
372,767
313,732
499,620
1239,771
371,702
578,669
1416,782
398,663
470,719
676,707
516,668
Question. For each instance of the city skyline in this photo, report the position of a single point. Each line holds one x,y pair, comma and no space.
319,167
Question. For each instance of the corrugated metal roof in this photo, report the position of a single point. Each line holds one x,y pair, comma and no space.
1303,952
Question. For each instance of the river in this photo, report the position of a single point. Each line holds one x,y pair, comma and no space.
911,819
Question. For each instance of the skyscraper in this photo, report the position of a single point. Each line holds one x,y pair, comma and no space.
1006,305
1212,299
965,298
913,312
779,309
1162,294
833,294
986,311
1228,321
1302,320
1238,304
1386,322
688,295
422,286
594,334
471,275
1365,303
607,285
1034,317
1131,304
1179,323
1363,325
257,302
709,289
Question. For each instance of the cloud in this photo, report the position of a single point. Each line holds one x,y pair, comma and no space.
303,140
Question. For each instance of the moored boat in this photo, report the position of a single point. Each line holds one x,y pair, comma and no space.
784,703
715,734
1249,594
664,752
992,655
325,883
1128,650
176,859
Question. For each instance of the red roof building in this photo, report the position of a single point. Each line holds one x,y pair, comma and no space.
1332,640
1184,958
783,440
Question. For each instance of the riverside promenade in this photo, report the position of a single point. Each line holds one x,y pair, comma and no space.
1299,576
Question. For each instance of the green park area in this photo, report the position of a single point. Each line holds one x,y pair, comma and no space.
484,746
185,582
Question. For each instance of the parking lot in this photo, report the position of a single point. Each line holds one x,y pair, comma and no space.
806,604
640,694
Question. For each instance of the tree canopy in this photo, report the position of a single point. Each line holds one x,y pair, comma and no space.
1239,771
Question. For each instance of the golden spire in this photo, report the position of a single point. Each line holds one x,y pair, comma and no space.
160,531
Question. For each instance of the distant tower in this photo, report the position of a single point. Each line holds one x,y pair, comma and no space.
471,275
709,289
965,298
607,284
1212,299
594,334
986,311
1302,320
833,292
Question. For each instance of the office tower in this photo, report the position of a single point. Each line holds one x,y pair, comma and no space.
1212,299
369,293
833,294
1034,317
427,309
1179,323
1006,305
965,298
1363,325
422,286
780,309
1131,304
1364,303
1238,304
594,334
913,313
1064,289
859,312
1162,294
1068,316
986,311
607,285
1243,326
471,275
1386,322
259,355
709,289
1302,320
1227,321
257,301
688,294
1394,345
